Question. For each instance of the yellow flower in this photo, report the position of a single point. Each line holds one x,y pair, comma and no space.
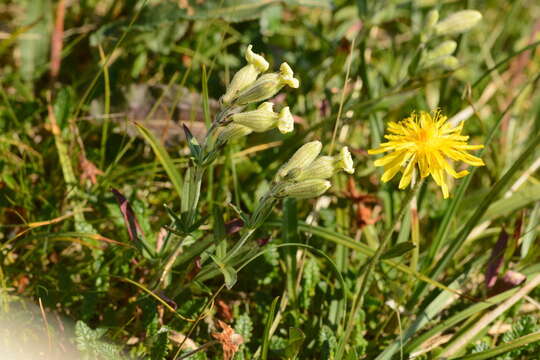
428,141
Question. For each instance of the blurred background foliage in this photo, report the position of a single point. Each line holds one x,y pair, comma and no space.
91,68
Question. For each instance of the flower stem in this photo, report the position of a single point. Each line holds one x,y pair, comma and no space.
365,280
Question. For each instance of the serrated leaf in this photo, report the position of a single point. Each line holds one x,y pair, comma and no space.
159,348
398,250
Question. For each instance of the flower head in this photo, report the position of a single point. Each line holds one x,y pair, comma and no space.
427,141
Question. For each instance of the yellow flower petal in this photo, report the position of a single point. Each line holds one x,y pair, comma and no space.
426,141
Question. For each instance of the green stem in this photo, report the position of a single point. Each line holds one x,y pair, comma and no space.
239,245
365,281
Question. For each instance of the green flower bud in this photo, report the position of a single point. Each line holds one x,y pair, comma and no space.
302,158
264,118
445,48
324,167
304,189
267,86
429,24
246,75
321,168
425,3
231,132
431,19
450,62
458,22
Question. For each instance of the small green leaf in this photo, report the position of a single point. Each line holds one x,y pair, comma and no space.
229,274
398,250
294,344
219,232
62,107
194,146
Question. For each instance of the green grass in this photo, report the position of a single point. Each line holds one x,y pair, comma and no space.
188,238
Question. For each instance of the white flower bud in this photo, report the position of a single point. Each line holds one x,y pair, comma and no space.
285,122
287,76
267,86
256,60
246,75
345,160
304,189
302,158
458,22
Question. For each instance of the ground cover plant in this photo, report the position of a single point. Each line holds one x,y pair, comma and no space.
260,179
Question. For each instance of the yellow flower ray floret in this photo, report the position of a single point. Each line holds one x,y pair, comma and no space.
427,141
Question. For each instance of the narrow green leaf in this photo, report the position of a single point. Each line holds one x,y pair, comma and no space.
509,205
530,230
266,337
205,102
501,349
219,233
398,250
163,157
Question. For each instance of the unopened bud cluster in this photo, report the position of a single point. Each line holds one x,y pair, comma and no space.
249,85
306,174
454,24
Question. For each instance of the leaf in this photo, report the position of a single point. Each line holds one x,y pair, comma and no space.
159,346
294,344
530,230
62,107
496,259
270,20
194,146
130,219
398,250
269,320
163,158
229,273
34,46
518,200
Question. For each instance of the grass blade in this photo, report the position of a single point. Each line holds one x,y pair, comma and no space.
163,158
